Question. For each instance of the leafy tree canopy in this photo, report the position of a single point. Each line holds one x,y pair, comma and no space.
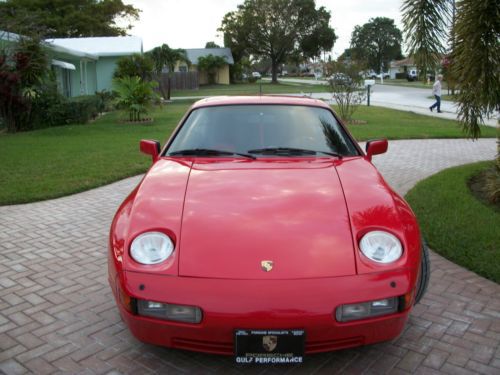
136,65
276,29
212,45
164,56
426,28
211,64
376,43
64,19
476,62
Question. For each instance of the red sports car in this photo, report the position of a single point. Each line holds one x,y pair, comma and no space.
263,231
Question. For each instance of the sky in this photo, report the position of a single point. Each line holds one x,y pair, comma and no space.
192,23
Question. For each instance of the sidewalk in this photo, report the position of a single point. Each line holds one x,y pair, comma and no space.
401,98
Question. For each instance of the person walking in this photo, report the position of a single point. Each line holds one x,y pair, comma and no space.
436,91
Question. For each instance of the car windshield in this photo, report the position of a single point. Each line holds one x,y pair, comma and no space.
258,130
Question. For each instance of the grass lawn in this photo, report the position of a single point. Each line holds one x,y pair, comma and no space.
251,89
393,124
414,84
455,223
58,161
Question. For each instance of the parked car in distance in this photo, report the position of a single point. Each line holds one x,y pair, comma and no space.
368,74
256,75
262,230
412,75
383,75
340,79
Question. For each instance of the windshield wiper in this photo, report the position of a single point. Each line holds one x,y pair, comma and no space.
290,151
207,152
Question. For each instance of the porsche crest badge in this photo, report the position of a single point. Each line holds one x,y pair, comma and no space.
267,265
269,343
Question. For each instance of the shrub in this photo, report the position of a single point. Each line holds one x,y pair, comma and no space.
346,89
53,109
23,69
135,95
107,99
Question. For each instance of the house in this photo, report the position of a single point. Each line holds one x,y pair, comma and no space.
83,66
93,59
401,66
193,54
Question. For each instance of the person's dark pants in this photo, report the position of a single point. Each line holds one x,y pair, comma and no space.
437,104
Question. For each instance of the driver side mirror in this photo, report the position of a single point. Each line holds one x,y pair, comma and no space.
150,148
378,146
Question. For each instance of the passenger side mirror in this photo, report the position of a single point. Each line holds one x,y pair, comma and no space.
150,148
375,147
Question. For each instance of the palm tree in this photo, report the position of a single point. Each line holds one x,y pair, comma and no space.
164,56
211,64
476,61
426,28
475,50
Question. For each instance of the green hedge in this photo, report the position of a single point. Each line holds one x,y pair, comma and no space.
55,110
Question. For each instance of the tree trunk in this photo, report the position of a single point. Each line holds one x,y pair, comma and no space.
274,70
169,85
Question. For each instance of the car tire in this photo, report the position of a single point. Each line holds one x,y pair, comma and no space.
425,273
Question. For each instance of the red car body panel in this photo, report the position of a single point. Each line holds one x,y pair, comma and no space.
225,215
280,304
295,216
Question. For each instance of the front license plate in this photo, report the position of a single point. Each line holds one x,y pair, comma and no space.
269,346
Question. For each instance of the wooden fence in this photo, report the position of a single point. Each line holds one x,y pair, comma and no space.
182,81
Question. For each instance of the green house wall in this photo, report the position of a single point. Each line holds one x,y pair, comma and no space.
105,68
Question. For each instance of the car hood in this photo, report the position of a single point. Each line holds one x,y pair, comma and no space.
265,220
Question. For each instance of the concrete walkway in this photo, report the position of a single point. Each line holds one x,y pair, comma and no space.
412,99
57,313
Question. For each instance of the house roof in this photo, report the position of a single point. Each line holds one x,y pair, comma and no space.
101,46
404,62
8,36
193,54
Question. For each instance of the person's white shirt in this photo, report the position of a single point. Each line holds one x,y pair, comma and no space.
436,88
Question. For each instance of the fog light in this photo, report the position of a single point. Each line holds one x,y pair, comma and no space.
355,311
167,311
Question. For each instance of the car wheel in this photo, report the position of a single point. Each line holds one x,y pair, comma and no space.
425,273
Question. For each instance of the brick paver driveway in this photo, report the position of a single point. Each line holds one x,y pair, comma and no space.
57,313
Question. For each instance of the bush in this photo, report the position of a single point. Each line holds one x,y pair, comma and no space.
401,75
252,79
53,109
135,96
107,99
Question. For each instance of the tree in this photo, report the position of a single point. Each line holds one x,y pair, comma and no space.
475,51
23,71
211,64
376,43
64,19
135,65
275,29
426,27
346,89
164,56
476,61
211,45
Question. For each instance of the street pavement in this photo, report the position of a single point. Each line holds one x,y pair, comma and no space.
403,98
57,313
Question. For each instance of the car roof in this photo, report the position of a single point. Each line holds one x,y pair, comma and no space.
263,99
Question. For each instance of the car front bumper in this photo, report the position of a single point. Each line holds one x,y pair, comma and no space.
228,305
